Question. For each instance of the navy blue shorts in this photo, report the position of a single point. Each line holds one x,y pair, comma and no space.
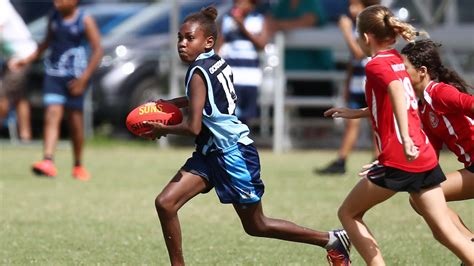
235,173
356,100
55,91
399,180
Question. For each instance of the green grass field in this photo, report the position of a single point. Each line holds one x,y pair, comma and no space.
111,219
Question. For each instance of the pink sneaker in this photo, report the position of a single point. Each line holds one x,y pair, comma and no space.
44,167
80,173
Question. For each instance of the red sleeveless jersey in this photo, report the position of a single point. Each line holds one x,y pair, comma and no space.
385,67
447,118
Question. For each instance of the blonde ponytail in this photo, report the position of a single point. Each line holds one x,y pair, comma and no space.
381,22
405,30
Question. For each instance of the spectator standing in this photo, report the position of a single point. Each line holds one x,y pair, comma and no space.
354,95
15,43
67,74
244,32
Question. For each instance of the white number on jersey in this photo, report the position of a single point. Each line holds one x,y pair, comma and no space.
409,94
410,102
225,79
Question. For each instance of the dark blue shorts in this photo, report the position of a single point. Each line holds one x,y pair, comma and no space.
235,173
55,91
357,100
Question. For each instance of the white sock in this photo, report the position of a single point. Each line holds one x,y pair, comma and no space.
332,240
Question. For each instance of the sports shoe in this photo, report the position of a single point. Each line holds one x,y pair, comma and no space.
80,173
336,167
44,167
339,256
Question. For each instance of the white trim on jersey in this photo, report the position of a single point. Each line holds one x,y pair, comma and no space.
451,131
470,120
374,109
427,96
383,55
397,130
374,116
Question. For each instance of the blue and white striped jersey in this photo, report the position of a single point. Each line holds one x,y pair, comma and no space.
221,128
67,57
239,51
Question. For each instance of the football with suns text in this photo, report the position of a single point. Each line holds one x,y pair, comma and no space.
162,112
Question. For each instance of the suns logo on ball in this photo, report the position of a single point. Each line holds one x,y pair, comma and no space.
150,108
433,120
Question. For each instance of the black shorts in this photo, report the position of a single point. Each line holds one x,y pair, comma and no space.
399,180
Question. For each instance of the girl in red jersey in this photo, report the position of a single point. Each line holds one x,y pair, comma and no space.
407,160
447,112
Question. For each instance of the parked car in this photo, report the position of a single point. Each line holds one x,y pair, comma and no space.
135,65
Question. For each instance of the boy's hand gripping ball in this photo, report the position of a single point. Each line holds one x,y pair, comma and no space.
161,111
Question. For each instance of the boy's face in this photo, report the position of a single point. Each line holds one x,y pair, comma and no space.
192,41
65,6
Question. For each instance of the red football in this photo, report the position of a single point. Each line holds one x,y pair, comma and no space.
163,112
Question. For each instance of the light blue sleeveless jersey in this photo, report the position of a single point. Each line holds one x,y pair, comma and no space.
221,129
